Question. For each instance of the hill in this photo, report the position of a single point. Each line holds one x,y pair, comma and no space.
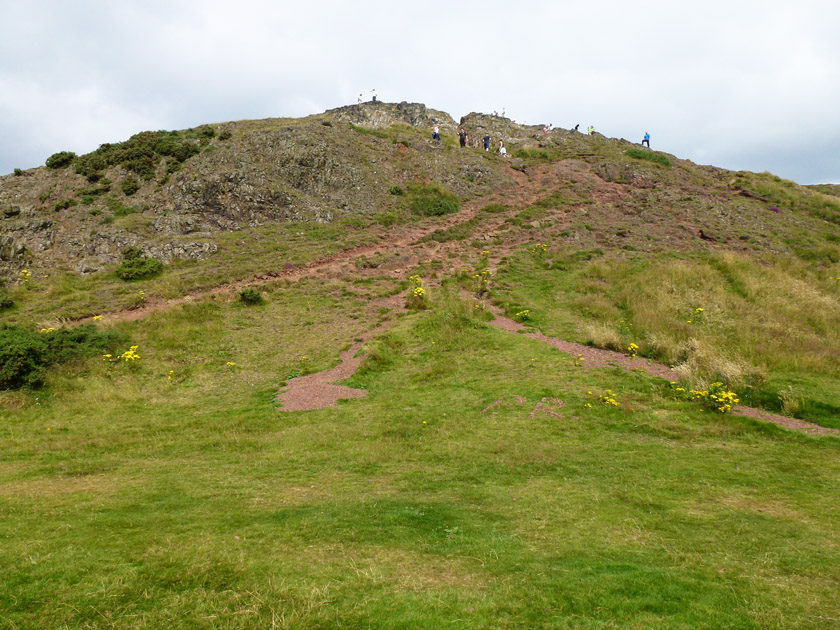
328,372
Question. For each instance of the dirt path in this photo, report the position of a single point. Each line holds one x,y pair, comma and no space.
316,391
596,357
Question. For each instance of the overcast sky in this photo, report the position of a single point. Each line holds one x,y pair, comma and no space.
741,84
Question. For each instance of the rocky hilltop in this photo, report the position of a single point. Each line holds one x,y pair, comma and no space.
172,193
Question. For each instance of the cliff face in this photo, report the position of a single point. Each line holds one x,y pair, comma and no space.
244,174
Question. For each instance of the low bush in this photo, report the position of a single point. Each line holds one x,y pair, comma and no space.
5,301
18,172
117,207
650,156
431,200
396,190
141,153
25,355
135,265
251,297
130,185
63,205
61,159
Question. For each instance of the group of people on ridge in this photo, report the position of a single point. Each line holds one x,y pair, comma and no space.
462,135
463,138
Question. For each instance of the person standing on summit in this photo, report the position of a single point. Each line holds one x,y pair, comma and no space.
462,137
646,140
373,95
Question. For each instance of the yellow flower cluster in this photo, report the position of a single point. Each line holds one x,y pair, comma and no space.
419,292
171,374
232,364
579,359
523,316
481,280
25,275
632,349
47,330
608,398
716,397
722,399
539,249
130,354
415,280
96,318
485,252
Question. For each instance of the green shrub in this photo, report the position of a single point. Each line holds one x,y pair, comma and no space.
650,156
431,200
95,191
205,132
61,159
369,132
538,155
251,296
225,135
25,355
386,219
5,301
63,205
117,207
494,208
141,153
18,172
130,185
396,190
135,265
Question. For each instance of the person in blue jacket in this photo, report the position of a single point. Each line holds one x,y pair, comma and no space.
646,140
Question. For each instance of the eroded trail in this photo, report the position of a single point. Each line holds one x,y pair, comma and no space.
317,391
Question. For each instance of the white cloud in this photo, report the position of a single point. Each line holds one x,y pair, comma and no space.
749,84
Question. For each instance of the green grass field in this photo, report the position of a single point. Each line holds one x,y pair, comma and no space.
131,500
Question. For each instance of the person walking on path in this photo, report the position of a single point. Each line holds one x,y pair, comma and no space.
487,142
502,149
373,95
646,140
462,137
436,133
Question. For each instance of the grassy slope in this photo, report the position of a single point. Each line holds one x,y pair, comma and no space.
136,501
130,499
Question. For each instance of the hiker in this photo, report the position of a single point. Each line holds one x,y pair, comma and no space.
590,130
646,140
436,133
577,127
503,112
487,142
462,137
360,99
373,95
502,149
